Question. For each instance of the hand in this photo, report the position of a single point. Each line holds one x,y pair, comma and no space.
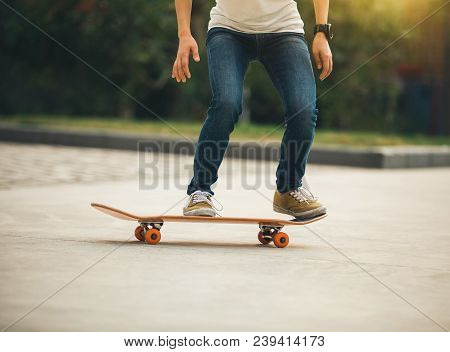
322,55
186,46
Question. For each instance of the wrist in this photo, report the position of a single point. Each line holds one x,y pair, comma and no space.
184,33
321,35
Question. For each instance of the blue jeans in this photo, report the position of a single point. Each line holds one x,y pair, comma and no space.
287,61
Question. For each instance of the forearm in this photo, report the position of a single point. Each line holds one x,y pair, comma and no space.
183,9
321,10
321,48
186,44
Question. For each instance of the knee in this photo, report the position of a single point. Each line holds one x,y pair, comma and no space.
302,115
228,104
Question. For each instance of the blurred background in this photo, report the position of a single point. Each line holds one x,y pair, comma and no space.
373,265
402,91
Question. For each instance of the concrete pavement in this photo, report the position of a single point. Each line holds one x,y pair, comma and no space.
379,262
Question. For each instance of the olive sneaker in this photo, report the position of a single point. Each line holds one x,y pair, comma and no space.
299,203
200,204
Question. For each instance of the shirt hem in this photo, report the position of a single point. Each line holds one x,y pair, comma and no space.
283,30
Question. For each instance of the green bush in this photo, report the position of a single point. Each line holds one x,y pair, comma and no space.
134,43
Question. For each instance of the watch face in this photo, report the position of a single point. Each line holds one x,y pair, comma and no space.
330,31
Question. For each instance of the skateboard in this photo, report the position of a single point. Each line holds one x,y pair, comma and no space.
149,229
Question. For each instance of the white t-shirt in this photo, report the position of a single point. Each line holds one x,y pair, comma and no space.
257,16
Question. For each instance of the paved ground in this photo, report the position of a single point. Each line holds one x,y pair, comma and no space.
380,261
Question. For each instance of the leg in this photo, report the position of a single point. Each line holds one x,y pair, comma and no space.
287,60
229,54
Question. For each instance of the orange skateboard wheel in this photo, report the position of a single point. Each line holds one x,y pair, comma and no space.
153,236
281,239
261,238
139,233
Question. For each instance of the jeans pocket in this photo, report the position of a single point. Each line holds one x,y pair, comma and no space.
306,42
212,32
302,37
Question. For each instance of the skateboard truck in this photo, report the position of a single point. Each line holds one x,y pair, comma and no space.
272,233
156,225
149,232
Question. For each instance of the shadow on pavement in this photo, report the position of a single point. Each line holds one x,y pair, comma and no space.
197,244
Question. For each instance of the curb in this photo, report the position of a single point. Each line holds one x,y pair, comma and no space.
371,157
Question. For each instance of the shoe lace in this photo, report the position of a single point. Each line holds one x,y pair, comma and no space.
200,196
302,194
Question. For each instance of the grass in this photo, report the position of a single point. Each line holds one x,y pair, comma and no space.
242,132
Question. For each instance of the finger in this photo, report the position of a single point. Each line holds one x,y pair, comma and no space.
185,65
180,70
330,62
331,65
317,60
175,69
195,53
326,69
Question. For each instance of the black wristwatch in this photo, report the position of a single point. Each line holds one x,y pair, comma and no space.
324,28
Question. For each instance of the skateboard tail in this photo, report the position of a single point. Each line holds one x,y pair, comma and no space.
113,212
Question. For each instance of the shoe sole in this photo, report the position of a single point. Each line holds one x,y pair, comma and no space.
200,212
304,215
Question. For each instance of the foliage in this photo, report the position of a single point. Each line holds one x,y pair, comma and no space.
133,44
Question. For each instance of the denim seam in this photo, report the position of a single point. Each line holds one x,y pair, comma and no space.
286,118
275,77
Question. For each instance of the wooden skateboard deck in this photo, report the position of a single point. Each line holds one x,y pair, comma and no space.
150,225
